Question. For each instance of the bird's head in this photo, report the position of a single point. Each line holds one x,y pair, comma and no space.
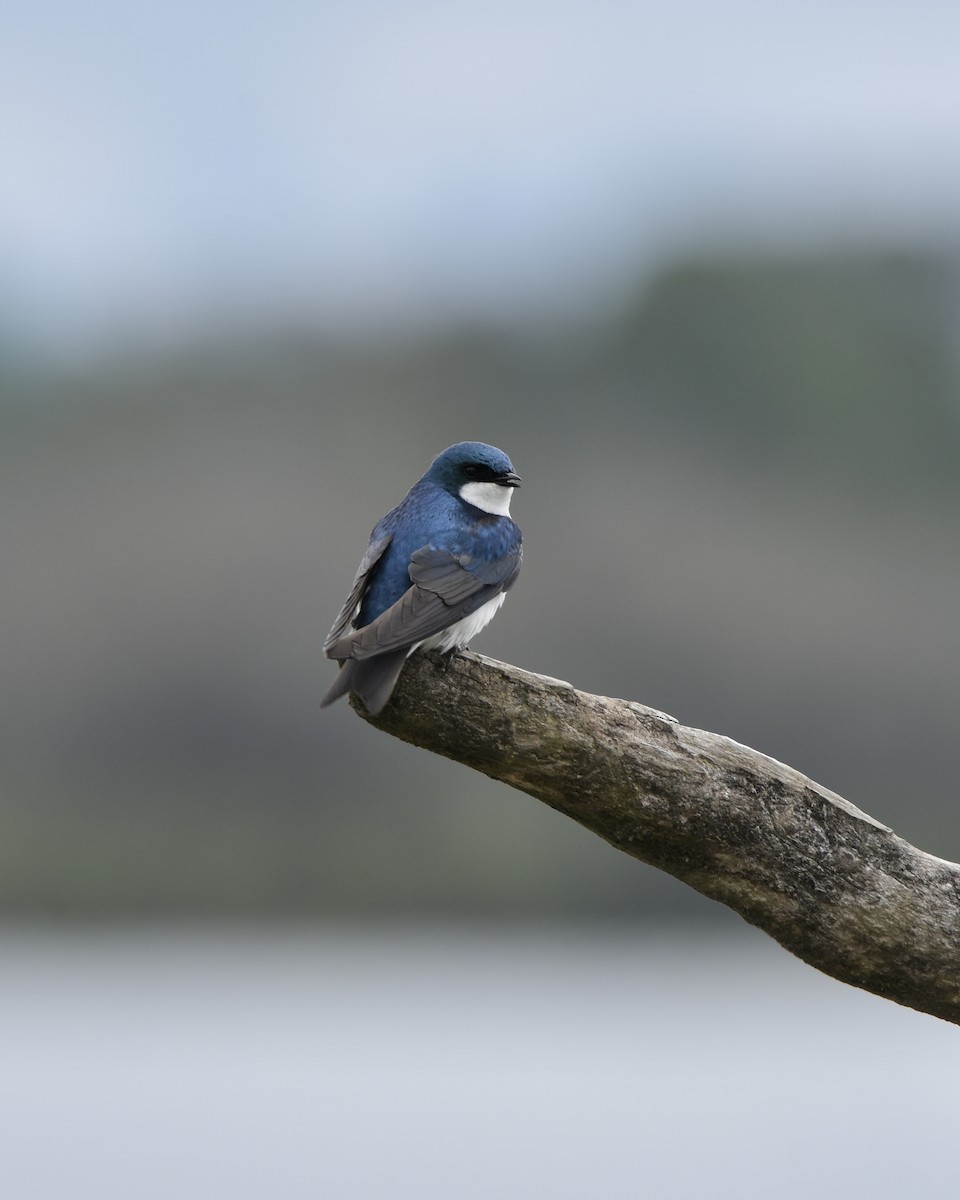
480,474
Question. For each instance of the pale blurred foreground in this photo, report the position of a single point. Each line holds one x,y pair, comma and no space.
423,1063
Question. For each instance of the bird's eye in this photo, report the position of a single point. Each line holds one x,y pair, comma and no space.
471,470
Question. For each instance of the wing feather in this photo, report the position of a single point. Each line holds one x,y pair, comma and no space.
375,552
444,589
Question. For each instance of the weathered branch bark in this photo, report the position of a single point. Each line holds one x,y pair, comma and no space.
828,882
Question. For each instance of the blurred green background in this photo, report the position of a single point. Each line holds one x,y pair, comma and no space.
739,505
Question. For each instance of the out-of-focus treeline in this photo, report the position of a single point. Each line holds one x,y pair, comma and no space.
739,504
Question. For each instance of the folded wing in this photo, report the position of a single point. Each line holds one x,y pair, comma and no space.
445,587
351,607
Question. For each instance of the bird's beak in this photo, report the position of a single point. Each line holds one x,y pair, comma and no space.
511,479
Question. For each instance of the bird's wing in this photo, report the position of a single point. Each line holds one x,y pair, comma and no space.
373,555
445,588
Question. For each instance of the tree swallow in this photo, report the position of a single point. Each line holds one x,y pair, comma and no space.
436,570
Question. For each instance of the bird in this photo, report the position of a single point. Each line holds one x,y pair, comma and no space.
436,571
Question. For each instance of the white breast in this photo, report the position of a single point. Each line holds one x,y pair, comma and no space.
462,632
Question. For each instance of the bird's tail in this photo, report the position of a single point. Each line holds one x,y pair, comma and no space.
341,685
372,679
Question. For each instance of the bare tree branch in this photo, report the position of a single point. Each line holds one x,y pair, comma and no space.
829,883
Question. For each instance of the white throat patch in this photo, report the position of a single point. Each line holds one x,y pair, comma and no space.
490,497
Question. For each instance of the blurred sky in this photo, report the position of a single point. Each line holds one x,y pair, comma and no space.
165,166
